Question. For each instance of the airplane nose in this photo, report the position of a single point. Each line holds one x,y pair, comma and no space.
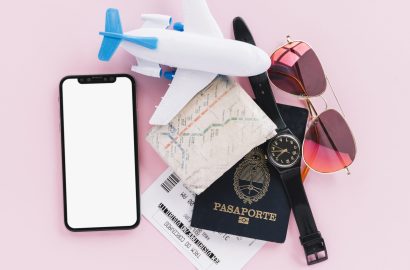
254,61
263,60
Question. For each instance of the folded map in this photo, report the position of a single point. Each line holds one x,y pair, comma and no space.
219,126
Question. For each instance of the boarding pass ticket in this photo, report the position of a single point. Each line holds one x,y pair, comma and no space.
168,205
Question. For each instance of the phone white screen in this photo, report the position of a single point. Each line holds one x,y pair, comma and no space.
99,156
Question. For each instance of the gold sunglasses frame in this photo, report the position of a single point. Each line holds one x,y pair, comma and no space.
312,110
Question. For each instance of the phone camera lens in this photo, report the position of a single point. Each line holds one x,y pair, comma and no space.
105,79
88,79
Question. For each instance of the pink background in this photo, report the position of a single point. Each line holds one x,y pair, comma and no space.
363,46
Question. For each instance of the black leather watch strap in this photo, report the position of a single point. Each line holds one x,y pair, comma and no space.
260,83
310,237
266,100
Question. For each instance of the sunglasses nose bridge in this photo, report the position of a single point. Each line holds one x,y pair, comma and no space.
312,108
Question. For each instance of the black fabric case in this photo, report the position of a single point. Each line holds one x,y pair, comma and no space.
274,200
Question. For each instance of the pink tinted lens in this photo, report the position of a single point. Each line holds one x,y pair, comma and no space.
297,70
329,145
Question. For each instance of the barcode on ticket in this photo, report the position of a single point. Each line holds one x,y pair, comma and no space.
170,182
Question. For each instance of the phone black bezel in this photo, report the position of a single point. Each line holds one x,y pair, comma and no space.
98,78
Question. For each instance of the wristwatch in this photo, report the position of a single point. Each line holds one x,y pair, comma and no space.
284,153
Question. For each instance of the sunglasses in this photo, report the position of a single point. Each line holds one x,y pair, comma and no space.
329,145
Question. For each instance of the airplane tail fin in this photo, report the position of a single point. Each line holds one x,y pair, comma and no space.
111,42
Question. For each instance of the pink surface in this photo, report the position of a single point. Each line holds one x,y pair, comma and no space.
363,46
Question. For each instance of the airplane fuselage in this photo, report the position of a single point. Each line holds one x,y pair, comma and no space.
197,52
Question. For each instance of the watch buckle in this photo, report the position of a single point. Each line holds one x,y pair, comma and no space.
315,248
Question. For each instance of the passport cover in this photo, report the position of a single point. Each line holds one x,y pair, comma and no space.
249,200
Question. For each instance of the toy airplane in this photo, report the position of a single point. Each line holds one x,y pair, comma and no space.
197,49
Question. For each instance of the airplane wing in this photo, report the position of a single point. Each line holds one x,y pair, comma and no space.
198,19
147,68
185,85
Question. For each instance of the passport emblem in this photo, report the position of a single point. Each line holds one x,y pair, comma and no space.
251,178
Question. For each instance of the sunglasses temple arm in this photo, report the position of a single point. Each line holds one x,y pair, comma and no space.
334,95
341,110
305,172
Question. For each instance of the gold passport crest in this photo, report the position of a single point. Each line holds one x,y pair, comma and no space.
251,178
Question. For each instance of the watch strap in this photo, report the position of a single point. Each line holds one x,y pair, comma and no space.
266,100
310,237
260,83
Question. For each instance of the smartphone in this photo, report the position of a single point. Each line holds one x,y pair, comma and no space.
99,152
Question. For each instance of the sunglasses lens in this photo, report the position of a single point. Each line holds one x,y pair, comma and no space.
329,145
297,70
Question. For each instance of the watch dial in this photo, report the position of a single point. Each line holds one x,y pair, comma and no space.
284,151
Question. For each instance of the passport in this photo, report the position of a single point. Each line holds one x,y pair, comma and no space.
249,200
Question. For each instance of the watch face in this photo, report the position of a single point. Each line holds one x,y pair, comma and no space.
284,151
